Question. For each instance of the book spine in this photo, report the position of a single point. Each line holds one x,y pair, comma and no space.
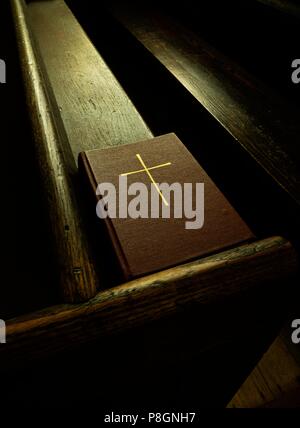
85,169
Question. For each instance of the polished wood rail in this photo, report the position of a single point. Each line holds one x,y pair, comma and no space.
225,89
66,121
95,110
220,277
76,269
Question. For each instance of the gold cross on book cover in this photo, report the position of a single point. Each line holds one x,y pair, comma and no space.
147,170
159,206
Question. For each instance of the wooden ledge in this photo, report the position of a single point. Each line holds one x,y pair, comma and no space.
71,109
215,278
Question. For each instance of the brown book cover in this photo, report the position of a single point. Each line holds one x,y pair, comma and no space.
163,208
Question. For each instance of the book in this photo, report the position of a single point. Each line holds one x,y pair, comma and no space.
158,205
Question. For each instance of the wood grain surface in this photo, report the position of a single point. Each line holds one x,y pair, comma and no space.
75,104
77,274
92,111
223,276
273,383
95,110
260,121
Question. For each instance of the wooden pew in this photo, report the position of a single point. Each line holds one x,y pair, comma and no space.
225,89
203,86
59,143
69,113
274,383
28,259
215,278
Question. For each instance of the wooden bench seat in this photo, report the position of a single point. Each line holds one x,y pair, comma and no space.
76,103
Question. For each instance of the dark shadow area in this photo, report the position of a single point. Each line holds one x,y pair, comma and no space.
262,39
195,360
